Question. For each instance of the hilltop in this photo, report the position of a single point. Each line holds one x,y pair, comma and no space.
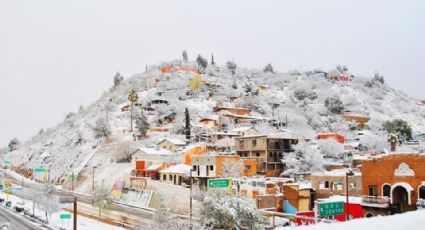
296,99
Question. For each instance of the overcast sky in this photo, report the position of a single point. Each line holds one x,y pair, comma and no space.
57,55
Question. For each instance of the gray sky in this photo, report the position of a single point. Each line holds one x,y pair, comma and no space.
56,55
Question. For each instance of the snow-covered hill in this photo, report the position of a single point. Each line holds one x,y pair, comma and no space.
298,97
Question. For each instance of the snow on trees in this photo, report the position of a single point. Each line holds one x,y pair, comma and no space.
184,56
221,211
13,144
231,66
305,158
101,128
142,124
400,127
268,68
101,197
334,105
118,78
202,62
231,169
133,98
301,94
166,220
330,148
374,142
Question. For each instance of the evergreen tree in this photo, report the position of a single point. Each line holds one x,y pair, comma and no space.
334,105
142,124
187,127
118,78
202,62
13,144
400,127
212,59
231,66
268,68
102,128
184,55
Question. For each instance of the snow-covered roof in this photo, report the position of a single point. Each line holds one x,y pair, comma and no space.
337,172
153,167
211,117
225,134
154,151
174,141
285,135
241,129
177,169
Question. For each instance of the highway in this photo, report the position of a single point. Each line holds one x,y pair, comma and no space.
16,221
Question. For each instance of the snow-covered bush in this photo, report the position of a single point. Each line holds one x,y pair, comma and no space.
118,78
268,68
334,105
374,142
101,197
330,148
305,158
13,144
101,128
231,66
220,211
142,125
301,94
202,62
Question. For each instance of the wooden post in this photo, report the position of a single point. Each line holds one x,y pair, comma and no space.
75,214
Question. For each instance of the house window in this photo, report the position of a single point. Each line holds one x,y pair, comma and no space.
170,177
386,190
352,184
241,143
337,186
211,167
257,154
254,142
422,192
324,185
372,191
164,177
270,154
194,168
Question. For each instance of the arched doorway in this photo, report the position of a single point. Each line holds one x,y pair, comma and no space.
400,199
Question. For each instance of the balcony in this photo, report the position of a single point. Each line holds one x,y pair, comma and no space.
420,203
376,201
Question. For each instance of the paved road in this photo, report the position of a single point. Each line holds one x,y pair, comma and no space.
15,221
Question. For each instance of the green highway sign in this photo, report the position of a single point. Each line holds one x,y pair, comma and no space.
40,170
331,208
7,162
218,183
65,216
71,177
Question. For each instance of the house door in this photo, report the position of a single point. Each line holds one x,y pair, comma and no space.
400,199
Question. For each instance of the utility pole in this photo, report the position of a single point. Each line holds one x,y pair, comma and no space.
92,188
191,185
347,210
75,214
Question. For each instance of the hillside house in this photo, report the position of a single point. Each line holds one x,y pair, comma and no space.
358,118
331,183
193,150
337,137
219,166
393,183
244,131
268,150
241,120
211,121
175,174
168,69
152,155
171,144
231,110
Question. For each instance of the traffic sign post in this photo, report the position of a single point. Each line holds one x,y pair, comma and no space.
331,208
222,183
7,162
40,170
65,216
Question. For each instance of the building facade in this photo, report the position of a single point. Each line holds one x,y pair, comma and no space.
393,183
268,150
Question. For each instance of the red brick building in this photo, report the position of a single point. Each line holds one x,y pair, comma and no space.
393,183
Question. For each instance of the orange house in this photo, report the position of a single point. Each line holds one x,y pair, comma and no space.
338,137
192,151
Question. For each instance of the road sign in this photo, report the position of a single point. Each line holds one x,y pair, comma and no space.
7,162
65,216
40,170
71,177
331,208
66,199
218,183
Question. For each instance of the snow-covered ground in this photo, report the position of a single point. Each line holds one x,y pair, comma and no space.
407,221
54,219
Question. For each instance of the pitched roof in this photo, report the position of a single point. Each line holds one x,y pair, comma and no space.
154,151
177,169
173,140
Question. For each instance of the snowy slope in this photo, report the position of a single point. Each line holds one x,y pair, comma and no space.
73,146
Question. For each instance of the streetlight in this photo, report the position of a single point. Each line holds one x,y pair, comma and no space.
92,184
347,212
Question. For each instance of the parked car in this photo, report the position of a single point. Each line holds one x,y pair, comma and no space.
19,206
9,204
